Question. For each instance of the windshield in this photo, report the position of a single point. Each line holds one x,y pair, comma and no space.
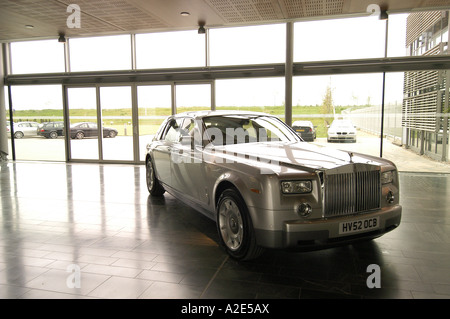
235,129
342,124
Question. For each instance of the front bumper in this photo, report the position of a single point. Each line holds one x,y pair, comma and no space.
341,137
316,234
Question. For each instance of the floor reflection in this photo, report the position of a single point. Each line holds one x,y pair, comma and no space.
128,244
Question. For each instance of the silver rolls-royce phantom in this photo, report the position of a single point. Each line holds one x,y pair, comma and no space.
266,188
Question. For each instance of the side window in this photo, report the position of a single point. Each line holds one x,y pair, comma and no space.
172,133
188,127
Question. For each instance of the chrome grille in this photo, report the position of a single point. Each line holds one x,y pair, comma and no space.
349,193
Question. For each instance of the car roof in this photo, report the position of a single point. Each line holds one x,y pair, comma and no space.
301,122
201,114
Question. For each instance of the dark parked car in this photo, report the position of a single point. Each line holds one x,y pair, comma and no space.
51,129
89,129
266,188
305,129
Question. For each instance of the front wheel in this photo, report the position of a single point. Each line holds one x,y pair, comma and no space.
153,185
235,228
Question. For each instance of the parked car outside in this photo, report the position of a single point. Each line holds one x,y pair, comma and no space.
266,188
51,129
305,129
8,127
22,129
89,129
341,131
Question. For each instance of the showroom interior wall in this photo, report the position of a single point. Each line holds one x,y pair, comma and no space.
137,73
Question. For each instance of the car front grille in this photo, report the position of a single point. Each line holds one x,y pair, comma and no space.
352,192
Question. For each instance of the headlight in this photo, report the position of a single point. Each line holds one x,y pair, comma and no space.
296,187
387,177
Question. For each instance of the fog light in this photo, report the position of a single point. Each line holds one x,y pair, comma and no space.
390,197
304,210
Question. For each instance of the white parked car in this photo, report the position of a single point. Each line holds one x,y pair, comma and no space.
341,131
22,129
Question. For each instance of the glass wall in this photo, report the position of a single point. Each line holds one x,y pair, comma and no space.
170,50
259,94
100,53
354,100
154,105
117,123
192,97
248,45
35,109
320,99
44,56
83,119
339,39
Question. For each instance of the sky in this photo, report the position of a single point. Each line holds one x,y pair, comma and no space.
352,38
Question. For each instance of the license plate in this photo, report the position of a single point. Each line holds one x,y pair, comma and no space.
360,225
300,130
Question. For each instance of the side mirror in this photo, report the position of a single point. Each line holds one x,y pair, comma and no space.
186,140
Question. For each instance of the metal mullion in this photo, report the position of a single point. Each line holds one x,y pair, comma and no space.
135,122
67,142
99,123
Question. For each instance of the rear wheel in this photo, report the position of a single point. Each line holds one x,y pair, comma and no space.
18,134
79,135
235,228
53,135
153,185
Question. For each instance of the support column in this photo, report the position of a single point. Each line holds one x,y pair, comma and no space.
289,72
3,134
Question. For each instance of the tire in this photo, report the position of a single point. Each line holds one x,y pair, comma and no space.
235,227
79,135
153,185
18,134
53,135
112,134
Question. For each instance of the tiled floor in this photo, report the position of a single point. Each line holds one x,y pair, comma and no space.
92,231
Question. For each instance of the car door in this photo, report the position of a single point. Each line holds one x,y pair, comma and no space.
92,129
162,152
25,128
188,175
32,128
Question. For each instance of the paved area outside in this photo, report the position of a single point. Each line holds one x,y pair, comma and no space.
406,160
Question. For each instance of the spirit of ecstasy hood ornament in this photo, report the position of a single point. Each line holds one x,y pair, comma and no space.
351,157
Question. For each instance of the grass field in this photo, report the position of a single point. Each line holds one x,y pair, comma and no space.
151,118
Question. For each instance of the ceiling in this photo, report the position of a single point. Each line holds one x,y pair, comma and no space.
37,19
